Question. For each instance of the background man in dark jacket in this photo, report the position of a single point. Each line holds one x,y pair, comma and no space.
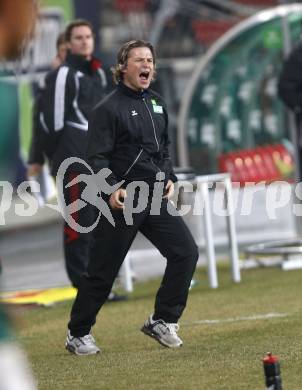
61,123
39,138
128,133
290,91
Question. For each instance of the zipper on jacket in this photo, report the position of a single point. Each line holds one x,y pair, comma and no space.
156,140
134,162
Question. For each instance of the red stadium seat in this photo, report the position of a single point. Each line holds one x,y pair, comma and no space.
262,164
207,31
126,6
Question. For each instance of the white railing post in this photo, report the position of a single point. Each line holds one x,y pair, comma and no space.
209,240
233,244
203,187
126,274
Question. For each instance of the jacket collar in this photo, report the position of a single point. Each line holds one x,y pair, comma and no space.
131,92
79,63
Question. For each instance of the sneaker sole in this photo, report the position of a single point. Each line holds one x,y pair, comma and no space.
72,350
154,336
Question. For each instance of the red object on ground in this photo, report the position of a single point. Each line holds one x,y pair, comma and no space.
272,372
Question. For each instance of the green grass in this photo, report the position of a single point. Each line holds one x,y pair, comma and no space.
226,355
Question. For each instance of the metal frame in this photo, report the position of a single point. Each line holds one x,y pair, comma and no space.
282,248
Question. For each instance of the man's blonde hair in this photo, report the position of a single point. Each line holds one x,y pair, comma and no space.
122,57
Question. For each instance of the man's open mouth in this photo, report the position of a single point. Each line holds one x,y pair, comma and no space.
144,76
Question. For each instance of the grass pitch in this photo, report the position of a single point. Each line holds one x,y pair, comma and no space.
226,333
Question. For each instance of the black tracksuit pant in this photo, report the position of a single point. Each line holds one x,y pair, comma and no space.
173,239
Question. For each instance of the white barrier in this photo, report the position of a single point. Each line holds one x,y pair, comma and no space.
202,183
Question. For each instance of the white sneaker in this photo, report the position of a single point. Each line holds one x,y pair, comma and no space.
84,345
165,333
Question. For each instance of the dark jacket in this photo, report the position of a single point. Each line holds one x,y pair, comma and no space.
128,133
62,111
290,80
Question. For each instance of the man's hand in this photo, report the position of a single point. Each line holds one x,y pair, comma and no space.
34,169
169,190
116,199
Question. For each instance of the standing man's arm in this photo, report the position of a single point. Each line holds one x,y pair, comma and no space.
101,139
36,153
58,98
101,142
168,162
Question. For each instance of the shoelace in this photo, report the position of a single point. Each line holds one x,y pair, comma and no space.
170,327
173,329
87,339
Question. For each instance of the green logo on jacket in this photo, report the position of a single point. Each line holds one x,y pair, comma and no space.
157,109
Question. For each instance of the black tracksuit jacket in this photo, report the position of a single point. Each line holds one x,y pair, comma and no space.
290,80
62,111
128,133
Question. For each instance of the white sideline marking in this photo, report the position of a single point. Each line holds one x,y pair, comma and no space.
237,319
